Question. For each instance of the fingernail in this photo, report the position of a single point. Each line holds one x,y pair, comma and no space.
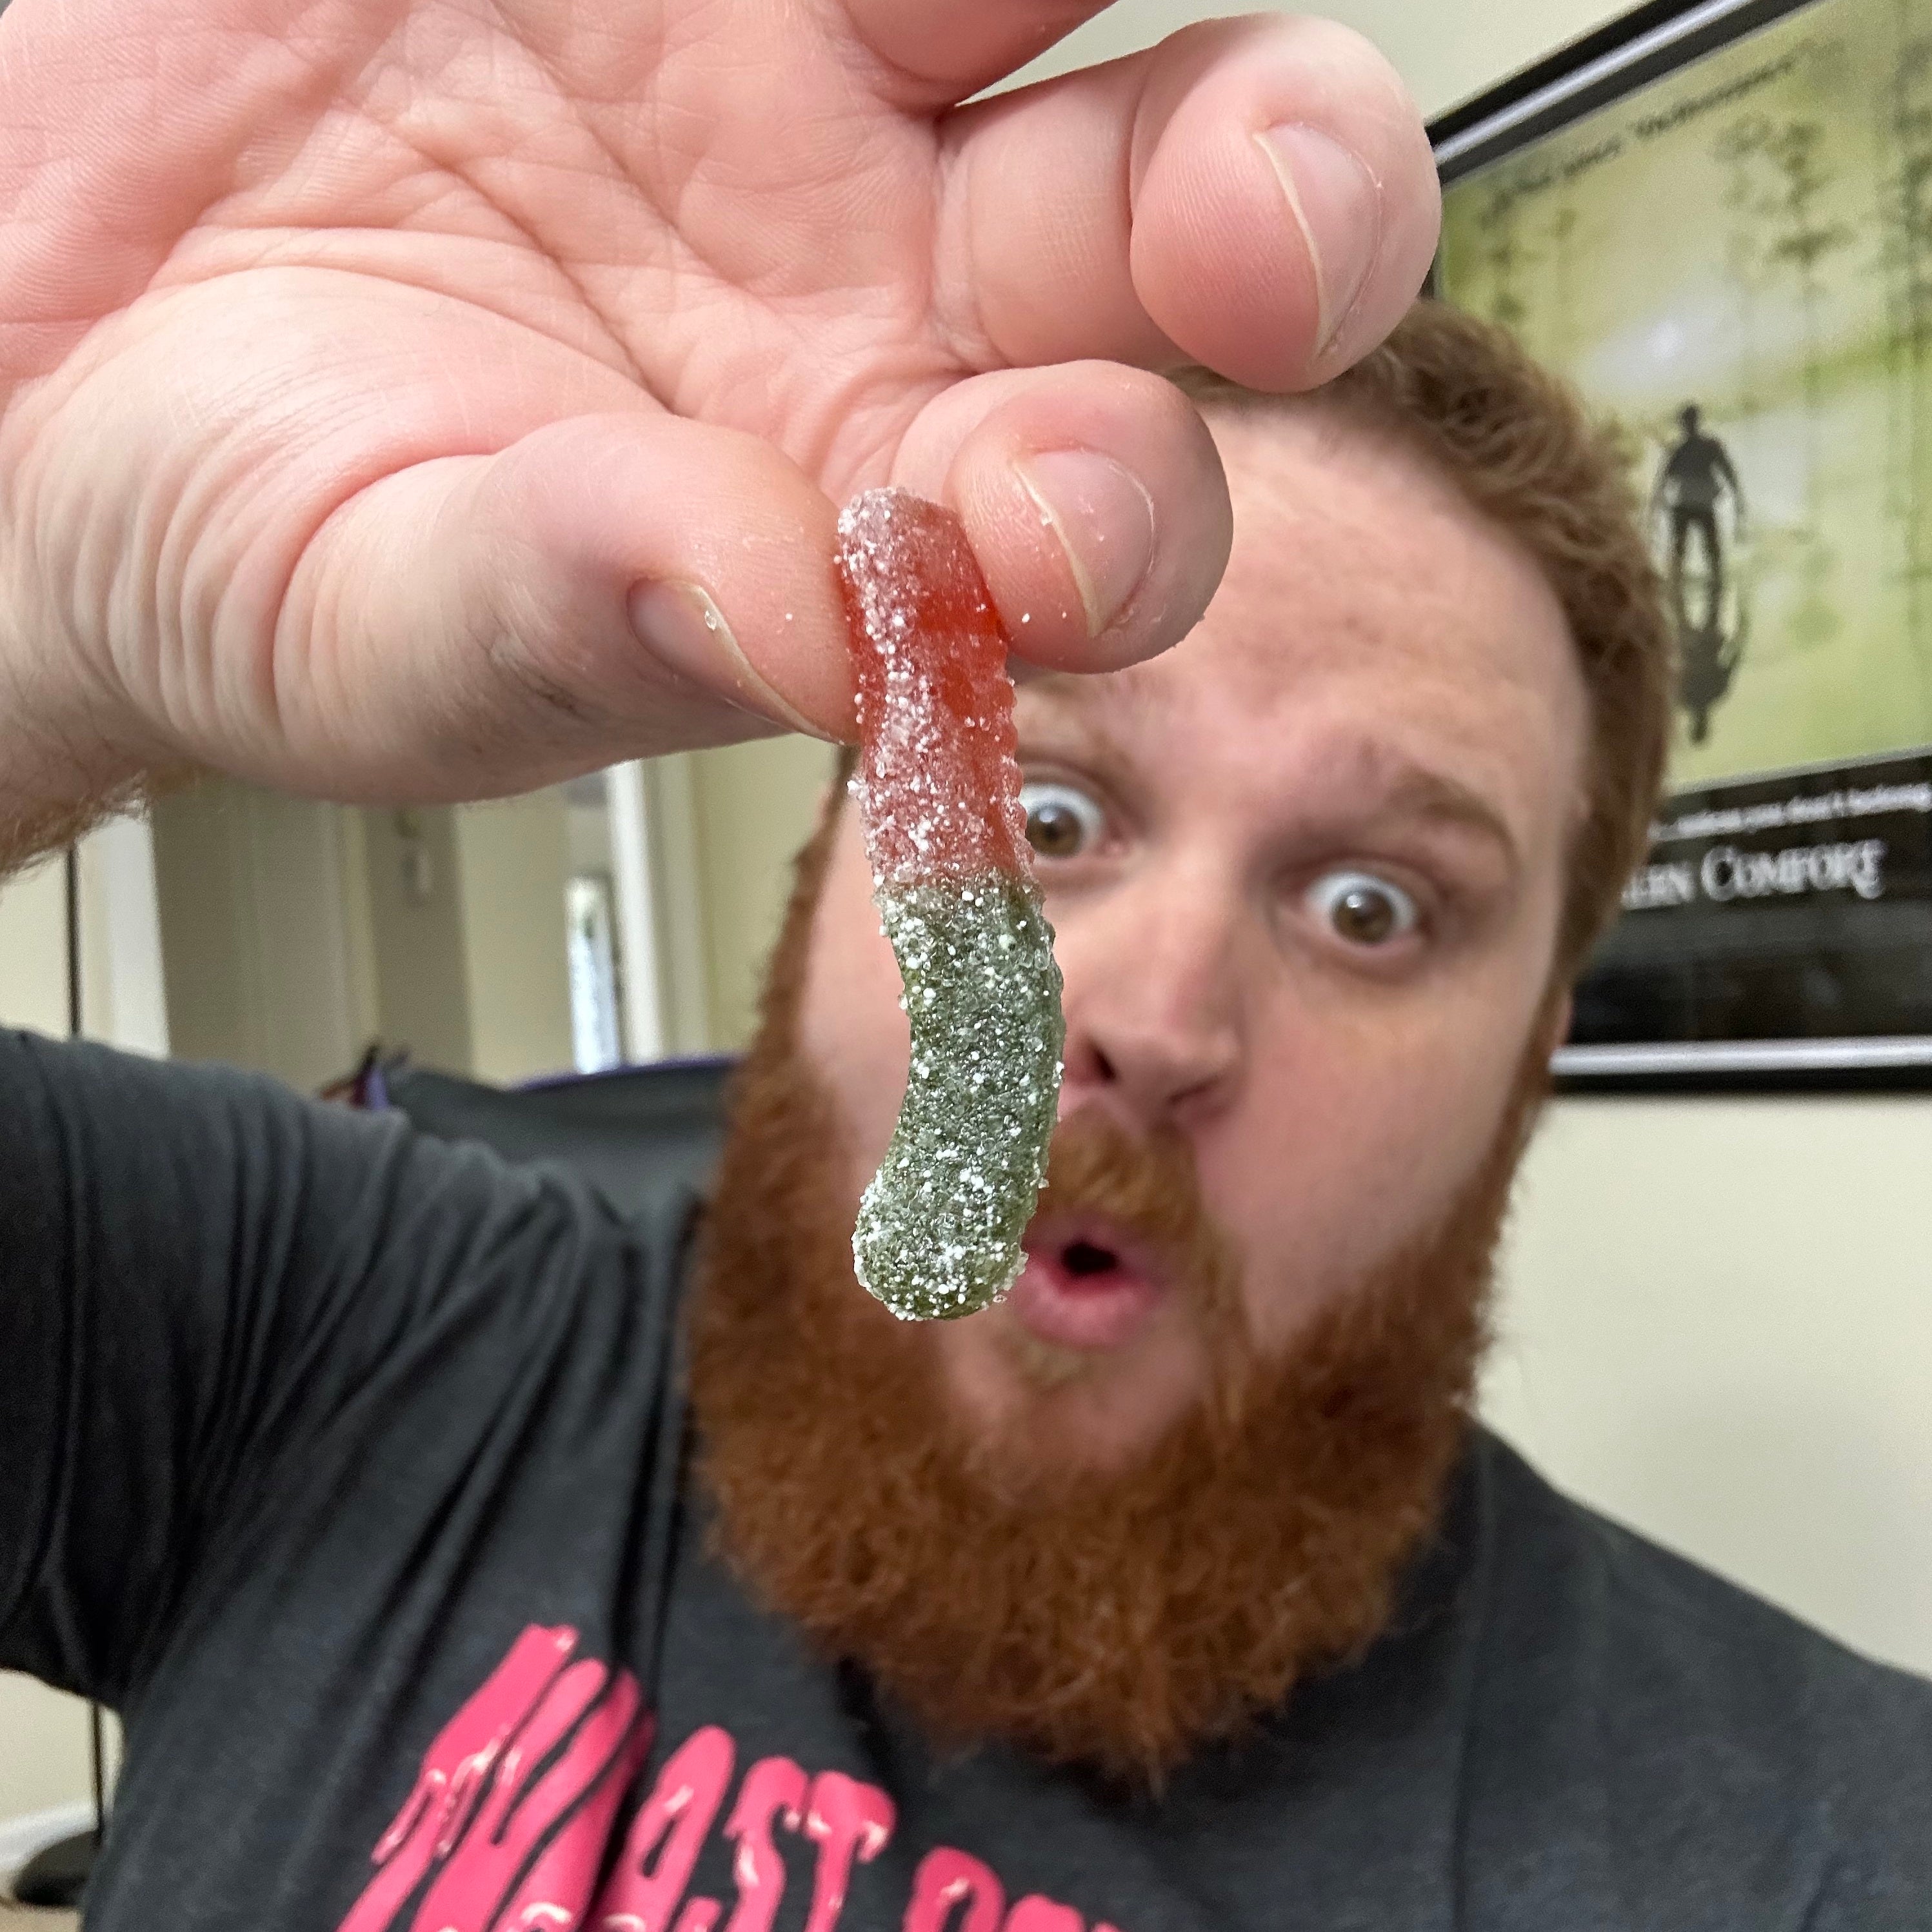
680,624
1103,518
1338,204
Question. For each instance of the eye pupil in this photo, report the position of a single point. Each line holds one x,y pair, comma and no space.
1365,914
1053,829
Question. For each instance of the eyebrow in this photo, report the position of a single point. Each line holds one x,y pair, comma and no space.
1413,791
1071,708
1394,785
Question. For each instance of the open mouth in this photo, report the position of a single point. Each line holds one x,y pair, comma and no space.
1086,1260
1085,1286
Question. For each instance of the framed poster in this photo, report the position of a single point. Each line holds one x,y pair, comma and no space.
1716,219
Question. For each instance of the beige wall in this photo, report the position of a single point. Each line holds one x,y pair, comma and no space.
413,890
1717,1325
44,1753
265,950
755,806
513,859
43,1736
295,932
33,949
1445,52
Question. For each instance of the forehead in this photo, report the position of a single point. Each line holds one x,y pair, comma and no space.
1369,617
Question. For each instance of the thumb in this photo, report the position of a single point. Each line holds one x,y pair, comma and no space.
608,587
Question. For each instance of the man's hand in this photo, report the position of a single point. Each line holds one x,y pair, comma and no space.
427,398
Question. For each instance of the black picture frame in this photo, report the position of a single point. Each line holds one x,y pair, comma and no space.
1695,991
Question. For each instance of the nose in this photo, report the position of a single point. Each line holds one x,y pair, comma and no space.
1152,968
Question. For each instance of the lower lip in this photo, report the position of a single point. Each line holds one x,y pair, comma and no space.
1094,1311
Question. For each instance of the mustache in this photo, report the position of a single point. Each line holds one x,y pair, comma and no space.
1146,1182
1148,1185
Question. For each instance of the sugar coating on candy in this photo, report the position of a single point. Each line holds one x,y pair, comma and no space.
939,1228
937,790
938,787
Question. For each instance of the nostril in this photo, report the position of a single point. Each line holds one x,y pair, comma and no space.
1082,1259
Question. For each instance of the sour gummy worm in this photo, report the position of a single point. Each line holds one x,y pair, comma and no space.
937,791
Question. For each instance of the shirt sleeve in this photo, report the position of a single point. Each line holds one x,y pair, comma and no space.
198,1270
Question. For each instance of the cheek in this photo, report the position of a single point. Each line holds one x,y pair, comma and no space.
1353,1140
853,1035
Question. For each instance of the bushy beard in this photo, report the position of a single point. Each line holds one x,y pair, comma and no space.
1118,1620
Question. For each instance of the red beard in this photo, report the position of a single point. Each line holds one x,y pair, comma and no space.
1117,1620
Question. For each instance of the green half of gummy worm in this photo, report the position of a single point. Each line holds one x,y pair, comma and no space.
937,790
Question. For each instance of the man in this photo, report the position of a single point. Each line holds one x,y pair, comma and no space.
360,1473
1697,475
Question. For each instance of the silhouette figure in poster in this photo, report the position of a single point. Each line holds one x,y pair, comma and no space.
1707,660
1697,476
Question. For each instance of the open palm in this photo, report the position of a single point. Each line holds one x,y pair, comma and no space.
434,396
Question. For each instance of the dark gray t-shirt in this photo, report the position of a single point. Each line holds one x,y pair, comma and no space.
345,1462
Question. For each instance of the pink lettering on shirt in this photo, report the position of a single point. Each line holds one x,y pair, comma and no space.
559,1767
952,1892
773,1792
511,1817
456,1774
847,1821
665,1838
1036,1914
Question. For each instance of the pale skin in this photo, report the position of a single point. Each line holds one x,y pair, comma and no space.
1383,691
412,399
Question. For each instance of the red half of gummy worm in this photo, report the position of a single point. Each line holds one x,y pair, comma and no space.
935,701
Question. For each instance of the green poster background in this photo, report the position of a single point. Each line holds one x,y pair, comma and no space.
1754,235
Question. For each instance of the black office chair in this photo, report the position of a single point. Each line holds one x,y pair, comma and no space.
636,1134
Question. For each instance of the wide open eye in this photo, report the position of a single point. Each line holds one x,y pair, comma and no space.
1062,822
1362,909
